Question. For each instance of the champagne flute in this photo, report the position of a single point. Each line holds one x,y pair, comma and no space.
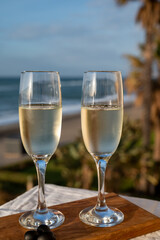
40,117
101,120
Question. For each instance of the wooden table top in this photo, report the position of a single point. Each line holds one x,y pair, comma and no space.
136,222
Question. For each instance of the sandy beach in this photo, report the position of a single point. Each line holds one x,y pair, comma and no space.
11,150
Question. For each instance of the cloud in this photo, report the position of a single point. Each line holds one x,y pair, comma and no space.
31,32
91,35
38,31
112,17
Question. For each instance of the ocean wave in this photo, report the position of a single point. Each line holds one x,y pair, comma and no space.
72,83
8,89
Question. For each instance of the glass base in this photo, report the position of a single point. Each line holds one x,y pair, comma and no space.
33,219
101,218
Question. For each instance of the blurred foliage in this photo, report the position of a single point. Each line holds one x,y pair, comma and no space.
73,166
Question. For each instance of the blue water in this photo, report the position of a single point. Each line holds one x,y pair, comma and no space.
9,94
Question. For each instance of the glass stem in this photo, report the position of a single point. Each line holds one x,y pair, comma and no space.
101,170
41,169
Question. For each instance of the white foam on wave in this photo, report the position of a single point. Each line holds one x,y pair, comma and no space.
76,108
9,119
68,109
71,109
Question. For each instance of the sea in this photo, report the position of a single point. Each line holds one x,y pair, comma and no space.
71,88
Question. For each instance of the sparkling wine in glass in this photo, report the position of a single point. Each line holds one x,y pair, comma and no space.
101,120
40,117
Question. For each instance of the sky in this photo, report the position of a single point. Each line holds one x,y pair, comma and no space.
69,36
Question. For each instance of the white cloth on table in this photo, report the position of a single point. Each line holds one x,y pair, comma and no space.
54,195
58,194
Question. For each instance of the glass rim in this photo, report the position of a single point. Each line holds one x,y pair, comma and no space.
92,71
39,72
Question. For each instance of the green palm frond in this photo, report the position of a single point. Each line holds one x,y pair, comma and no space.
136,62
122,2
142,47
149,14
157,51
137,75
132,84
